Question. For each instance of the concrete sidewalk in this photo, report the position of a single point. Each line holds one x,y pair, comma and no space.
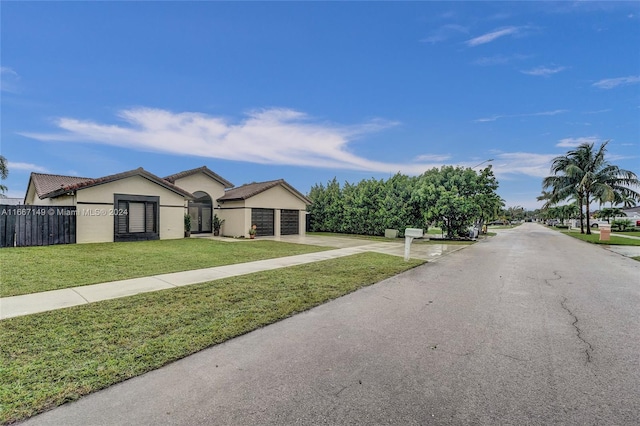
57,299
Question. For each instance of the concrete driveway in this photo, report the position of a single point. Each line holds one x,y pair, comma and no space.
420,249
525,329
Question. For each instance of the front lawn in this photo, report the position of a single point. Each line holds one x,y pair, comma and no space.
33,269
54,357
595,239
632,233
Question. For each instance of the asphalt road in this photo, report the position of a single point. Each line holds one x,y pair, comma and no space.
529,328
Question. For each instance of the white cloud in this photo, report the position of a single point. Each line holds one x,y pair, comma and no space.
494,35
8,80
433,158
543,71
445,32
574,142
271,136
534,114
610,83
28,167
523,163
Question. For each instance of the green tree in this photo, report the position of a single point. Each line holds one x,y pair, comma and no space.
397,208
327,208
450,197
586,175
4,172
609,212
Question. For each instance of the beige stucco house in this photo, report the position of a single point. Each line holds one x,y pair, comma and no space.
130,206
206,187
275,207
138,205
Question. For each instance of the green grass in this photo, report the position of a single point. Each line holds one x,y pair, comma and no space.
54,357
632,233
33,269
595,239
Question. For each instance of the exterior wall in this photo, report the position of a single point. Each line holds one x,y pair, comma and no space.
201,182
236,217
95,209
276,222
302,222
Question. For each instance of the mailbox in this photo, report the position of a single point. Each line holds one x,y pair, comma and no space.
413,232
409,235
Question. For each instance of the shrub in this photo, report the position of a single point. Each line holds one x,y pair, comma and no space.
621,224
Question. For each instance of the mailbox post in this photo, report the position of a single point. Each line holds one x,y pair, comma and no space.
409,235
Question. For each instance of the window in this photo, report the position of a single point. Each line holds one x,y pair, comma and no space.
137,217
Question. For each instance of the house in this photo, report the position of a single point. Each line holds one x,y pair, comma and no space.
130,206
275,207
138,205
206,187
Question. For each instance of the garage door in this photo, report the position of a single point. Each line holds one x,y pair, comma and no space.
264,218
289,222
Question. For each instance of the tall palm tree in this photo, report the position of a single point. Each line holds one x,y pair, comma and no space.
585,174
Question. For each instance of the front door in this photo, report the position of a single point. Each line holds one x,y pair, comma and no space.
200,218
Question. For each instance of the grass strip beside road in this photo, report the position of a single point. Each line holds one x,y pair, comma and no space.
28,270
54,357
595,239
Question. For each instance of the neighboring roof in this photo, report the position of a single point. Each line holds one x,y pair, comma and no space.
632,211
10,201
203,169
46,183
247,191
66,184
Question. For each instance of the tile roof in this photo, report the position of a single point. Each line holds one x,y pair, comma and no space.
65,184
46,183
203,169
249,190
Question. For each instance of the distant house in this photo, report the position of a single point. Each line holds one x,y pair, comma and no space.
632,212
138,205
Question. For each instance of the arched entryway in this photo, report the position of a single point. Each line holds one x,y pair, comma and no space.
201,212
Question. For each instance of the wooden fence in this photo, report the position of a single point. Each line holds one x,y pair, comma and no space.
22,226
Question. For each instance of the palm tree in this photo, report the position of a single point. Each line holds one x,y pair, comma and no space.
585,174
609,212
4,171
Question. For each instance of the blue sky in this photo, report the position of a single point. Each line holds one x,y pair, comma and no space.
311,91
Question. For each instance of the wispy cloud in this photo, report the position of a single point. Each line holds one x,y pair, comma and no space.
610,83
444,33
271,136
27,167
437,158
493,35
499,59
534,114
522,163
600,111
543,71
8,80
574,142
